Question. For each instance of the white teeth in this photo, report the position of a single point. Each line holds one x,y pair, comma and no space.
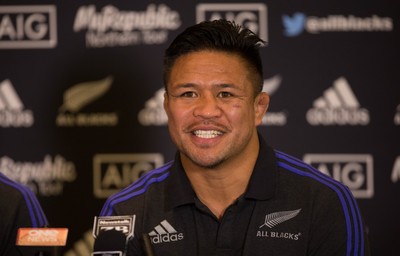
208,134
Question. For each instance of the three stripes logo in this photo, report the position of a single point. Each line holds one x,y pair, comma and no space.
165,233
338,106
12,112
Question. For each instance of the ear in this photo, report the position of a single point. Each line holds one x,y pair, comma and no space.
166,102
261,104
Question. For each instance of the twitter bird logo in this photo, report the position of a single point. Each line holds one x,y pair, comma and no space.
294,25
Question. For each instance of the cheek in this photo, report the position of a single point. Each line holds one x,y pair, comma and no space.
237,112
177,113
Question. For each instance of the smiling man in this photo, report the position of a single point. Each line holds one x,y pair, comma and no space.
213,111
227,192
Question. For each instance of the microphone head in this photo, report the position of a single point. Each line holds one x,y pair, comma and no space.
111,234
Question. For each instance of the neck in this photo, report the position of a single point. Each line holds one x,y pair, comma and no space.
220,186
219,191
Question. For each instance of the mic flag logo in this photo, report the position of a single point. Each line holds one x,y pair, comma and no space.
124,224
112,233
42,236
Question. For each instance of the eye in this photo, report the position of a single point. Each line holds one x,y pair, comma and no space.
188,95
224,94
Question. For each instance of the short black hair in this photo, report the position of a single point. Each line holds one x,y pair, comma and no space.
218,35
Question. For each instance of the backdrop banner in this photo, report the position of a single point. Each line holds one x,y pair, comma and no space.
81,98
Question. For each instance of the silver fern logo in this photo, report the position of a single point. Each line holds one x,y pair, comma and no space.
276,218
84,93
78,97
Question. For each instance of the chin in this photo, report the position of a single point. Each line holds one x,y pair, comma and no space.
208,164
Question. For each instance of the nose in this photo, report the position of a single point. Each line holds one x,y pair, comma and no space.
207,106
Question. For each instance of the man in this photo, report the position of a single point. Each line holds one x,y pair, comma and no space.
227,192
19,209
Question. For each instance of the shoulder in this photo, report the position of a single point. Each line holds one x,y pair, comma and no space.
10,190
24,202
336,214
14,191
316,188
136,191
304,172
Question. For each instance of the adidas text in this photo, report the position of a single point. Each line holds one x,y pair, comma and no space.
339,116
165,238
16,118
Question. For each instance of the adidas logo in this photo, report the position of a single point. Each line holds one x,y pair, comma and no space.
153,112
338,106
165,233
12,113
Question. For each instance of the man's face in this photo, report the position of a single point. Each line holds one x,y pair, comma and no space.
211,108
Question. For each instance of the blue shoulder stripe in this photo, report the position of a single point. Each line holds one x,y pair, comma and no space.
136,188
350,208
36,214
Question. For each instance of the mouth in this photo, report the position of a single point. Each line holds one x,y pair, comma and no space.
207,134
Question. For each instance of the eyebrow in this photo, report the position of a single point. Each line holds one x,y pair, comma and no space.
222,85
187,85
228,86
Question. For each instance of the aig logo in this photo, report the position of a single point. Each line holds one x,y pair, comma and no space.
353,170
252,16
28,26
112,172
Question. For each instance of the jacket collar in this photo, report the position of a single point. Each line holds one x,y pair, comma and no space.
262,184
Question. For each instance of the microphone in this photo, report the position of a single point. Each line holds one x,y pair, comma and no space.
41,241
147,245
110,243
112,234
